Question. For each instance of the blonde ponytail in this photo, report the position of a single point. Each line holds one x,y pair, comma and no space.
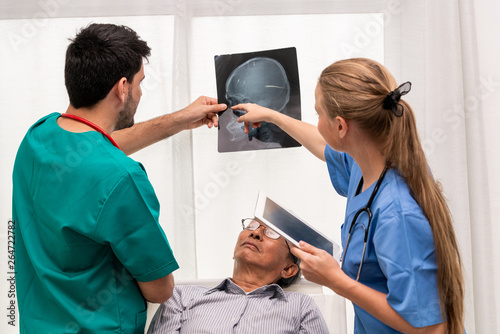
412,165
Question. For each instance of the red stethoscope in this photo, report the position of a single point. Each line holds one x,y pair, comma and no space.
92,125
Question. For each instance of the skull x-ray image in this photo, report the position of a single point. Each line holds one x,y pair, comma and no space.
268,78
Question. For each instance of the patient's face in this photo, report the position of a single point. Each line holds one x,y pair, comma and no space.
253,248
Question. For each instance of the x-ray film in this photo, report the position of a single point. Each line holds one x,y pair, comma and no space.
268,78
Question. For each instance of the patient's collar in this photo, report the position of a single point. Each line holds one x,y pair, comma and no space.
271,290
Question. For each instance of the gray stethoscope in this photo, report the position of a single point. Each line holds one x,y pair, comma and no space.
366,209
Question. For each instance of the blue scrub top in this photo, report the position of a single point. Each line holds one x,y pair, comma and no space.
86,227
400,258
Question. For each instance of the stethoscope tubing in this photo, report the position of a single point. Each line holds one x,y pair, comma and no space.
370,216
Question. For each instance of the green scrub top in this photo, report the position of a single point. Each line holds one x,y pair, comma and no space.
86,228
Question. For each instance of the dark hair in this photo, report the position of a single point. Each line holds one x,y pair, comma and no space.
286,282
99,56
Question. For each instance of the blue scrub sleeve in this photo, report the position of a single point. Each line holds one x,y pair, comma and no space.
405,251
339,167
129,224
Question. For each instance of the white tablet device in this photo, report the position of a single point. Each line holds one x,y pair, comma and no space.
291,227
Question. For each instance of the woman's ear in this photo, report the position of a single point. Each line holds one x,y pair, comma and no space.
341,126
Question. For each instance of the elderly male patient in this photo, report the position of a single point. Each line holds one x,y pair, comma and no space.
252,301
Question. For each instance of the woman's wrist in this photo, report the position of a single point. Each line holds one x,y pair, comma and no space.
342,284
276,118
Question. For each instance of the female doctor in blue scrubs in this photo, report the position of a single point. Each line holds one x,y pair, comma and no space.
400,266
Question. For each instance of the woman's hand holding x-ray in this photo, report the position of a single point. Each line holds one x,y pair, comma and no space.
255,115
319,267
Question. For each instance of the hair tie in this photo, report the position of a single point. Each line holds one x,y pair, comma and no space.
391,101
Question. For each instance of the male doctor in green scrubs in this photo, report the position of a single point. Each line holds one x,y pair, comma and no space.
89,248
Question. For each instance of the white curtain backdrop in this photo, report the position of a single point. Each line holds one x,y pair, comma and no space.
447,49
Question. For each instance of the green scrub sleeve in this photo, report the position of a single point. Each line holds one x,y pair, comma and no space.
128,222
